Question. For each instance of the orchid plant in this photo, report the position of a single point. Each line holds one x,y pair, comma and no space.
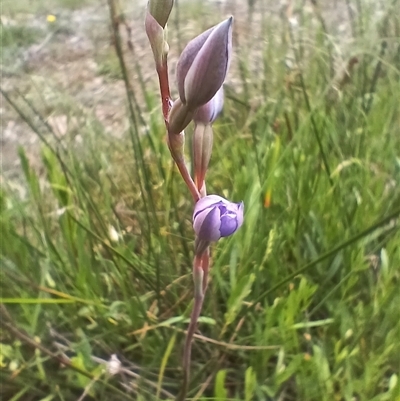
200,74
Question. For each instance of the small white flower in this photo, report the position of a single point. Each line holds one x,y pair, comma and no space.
112,232
113,365
293,22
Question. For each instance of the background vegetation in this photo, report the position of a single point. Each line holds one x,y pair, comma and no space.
96,236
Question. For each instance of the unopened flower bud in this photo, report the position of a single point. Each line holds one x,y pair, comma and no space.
160,10
176,145
179,117
215,217
155,33
203,65
208,113
202,148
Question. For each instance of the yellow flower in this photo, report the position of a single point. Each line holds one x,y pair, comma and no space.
51,18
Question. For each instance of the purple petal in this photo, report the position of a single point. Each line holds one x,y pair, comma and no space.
179,117
186,60
231,218
208,113
239,213
215,217
208,70
207,225
206,202
229,224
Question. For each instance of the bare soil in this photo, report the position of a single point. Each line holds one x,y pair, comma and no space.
73,65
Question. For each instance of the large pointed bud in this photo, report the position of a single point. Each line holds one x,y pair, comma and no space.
203,65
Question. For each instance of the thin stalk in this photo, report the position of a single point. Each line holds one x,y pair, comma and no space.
162,72
201,266
188,180
163,79
205,266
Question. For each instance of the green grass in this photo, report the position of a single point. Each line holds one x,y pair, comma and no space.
41,6
108,65
19,36
304,299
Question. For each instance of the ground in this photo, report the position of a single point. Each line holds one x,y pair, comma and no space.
68,63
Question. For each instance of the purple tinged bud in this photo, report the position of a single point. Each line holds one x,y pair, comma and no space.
203,65
176,145
186,60
209,112
202,149
179,117
215,217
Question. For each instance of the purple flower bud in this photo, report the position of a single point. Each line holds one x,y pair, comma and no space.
202,148
176,145
179,117
215,217
208,113
203,65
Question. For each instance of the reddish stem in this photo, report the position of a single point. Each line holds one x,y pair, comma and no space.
188,180
163,79
162,72
205,264
200,279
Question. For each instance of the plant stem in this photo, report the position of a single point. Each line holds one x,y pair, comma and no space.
200,282
162,72
163,80
205,264
188,179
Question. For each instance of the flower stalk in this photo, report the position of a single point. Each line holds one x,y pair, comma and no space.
200,277
201,71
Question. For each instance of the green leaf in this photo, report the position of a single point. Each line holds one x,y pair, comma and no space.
164,362
239,293
250,382
220,392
